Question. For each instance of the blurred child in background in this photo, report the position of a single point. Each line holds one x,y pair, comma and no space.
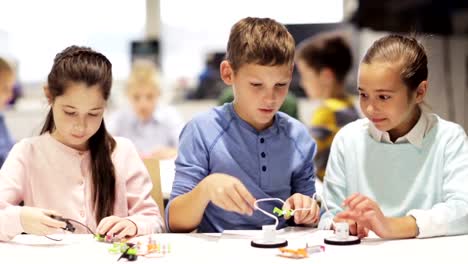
154,128
7,81
323,61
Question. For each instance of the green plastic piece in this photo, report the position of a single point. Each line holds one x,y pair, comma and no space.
285,213
278,211
132,251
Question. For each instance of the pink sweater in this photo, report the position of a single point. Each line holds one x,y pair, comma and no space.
45,173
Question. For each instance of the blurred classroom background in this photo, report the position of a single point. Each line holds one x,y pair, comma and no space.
187,40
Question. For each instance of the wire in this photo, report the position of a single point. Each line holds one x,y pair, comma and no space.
54,239
74,221
314,197
324,205
85,226
265,212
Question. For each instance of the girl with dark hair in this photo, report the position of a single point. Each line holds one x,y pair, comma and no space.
75,169
401,172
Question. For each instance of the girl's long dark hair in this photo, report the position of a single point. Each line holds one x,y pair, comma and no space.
83,65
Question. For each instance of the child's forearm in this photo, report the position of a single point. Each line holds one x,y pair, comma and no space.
186,211
402,227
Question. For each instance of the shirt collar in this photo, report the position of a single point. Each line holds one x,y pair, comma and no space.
415,136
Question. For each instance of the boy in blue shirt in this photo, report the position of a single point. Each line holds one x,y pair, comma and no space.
7,80
245,150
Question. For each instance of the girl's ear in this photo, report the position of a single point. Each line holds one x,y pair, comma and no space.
48,94
226,71
421,92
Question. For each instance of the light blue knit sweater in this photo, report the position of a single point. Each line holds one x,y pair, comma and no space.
429,183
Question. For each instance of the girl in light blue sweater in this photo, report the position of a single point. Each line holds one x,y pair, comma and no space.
401,172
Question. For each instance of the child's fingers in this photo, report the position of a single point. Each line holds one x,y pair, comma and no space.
353,227
53,223
316,211
226,203
347,215
50,212
106,224
308,205
127,231
350,198
246,195
101,223
236,202
117,228
298,202
364,206
286,207
355,201
45,230
309,219
362,231
239,203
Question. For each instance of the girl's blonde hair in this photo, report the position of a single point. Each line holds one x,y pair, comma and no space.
143,72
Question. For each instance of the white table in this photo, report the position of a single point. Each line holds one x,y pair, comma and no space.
234,247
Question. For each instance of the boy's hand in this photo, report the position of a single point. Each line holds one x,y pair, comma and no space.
37,221
228,193
297,201
117,227
366,214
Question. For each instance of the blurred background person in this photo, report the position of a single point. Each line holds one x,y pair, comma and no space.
153,127
210,85
7,81
323,61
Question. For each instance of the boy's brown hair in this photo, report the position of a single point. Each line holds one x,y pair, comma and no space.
261,41
327,50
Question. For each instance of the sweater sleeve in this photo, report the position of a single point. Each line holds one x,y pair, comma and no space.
449,217
12,182
191,164
142,209
334,189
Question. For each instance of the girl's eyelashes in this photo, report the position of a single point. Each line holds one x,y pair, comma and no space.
74,113
381,96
